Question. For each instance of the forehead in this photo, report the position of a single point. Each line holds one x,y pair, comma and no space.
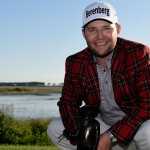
99,23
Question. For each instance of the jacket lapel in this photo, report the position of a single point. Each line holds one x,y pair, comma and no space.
118,63
90,82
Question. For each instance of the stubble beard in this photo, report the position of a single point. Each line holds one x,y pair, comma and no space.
105,54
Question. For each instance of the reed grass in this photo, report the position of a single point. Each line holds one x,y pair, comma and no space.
30,90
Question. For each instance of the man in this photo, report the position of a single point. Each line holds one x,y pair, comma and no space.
112,72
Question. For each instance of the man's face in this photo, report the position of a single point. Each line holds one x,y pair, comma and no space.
101,37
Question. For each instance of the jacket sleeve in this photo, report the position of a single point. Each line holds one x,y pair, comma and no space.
133,95
71,98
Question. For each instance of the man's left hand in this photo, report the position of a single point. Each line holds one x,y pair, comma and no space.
104,142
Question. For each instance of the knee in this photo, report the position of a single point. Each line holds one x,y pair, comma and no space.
51,129
146,131
142,137
55,129
143,132
147,134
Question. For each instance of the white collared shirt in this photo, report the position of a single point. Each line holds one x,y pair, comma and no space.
109,110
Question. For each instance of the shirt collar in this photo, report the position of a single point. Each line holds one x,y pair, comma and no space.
108,62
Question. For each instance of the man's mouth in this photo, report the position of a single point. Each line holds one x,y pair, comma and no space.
101,43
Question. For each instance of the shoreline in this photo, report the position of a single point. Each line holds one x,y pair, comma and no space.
36,90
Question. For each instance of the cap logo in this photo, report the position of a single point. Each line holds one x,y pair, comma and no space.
98,10
104,11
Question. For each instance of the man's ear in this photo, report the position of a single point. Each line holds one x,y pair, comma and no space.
83,32
118,26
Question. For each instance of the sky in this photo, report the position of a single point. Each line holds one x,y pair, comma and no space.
36,36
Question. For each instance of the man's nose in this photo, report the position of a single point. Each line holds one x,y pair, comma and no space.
100,34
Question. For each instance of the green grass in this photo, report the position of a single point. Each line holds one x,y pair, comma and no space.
29,90
18,147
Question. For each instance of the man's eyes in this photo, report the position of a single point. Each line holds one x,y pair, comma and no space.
107,28
103,29
92,30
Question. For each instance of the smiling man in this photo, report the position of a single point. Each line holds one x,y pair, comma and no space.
113,73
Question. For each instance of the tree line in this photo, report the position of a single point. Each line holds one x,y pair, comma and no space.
22,84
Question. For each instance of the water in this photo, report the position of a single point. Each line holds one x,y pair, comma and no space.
30,106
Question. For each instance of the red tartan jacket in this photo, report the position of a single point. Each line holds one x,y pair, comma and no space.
131,85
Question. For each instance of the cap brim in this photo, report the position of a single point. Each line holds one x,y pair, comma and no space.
96,19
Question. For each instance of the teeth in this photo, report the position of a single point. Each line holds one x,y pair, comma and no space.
101,43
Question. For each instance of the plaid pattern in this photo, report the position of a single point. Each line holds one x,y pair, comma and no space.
131,85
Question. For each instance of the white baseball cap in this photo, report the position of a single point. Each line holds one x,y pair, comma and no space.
104,11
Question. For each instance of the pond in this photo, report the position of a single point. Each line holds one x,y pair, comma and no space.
30,106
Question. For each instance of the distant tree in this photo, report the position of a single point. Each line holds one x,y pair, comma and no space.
48,84
54,84
60,84
22,83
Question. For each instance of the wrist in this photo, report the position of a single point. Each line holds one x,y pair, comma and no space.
111,136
